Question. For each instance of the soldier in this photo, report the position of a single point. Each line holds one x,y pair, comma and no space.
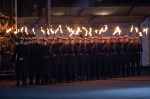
69,50
107,66
51,70
95,58
90,62
36,62
28,45
56,51
119,49
113,56
101,68
131,56
77,44
83,54
63,59
137,55
21,68
46,63
40,40
126,64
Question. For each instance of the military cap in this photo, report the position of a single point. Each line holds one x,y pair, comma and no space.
44,39
28,39
21,38
40,38
34,38
126,36
130,38
136,38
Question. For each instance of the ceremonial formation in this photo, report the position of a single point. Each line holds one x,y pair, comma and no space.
65,60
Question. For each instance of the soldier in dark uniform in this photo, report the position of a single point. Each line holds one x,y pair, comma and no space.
46,63
95,58
73,61
51,70
83,54
28,45
36,62
113,56
137,55
101,69
56,51
90,61
126,63
77,45
63,59
21,67
107,66
69,50
131,56
119,49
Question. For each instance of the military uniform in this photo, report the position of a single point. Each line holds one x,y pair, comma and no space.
137,56
21,66
46,64
36,63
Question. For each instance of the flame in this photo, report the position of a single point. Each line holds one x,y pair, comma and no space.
140,33
106,27
131,30
42,30
85,31
19,30
90,31
117,30
8,30
96,31
48,31
78,30
71,31
56,30
33,30
145,30
101,30
60,27
26,30
22,29
136,29
52,31
15,32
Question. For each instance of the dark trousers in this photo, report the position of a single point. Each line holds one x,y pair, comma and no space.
46,68
21,71
56,65
63,67
82,66
138,63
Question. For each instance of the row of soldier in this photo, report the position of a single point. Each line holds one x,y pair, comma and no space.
76,59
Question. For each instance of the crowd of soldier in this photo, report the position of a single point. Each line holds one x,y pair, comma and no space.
76,59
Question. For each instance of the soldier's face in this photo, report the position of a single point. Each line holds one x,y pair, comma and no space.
91,41
59,40
131,41
120,40
72,41
136,41
44,43
21,41
34,41
126,39
107,40
28,42
96,40
102,41
113,40
41,42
